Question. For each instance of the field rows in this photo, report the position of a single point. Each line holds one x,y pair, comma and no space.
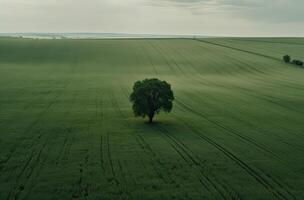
68,132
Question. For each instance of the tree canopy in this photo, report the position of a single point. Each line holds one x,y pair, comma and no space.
286,58
151,96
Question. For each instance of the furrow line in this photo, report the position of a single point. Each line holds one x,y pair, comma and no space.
258,177
237,49
229,130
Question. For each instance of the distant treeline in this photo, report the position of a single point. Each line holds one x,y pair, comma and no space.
288,59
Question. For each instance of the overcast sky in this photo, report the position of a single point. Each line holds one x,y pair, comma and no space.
204,17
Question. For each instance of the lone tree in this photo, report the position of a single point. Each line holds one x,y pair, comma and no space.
150,96
286,58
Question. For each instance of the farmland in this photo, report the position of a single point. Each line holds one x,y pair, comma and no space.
67,130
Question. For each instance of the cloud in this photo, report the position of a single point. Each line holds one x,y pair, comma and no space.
206,17
255,10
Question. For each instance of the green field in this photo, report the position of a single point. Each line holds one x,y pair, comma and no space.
67,130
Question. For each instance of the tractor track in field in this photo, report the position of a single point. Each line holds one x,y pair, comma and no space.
168,59
270,99
101,150
242,50
120,183
137,57
195,162
268,184
124,180
30,128
39,162
298,147
255,144
81,186
256,175
203,78
33,124
150,59
292,145
264,41
194,68
68,131
238,62
100,117
184,155
182,149
81,189
295,146
67,146
105,153
261,97
232,131
108,149
191,160
207,82
114,178
20,185
249,68
59,157
159,51
142,145
28,105
174,62
181,55
146,147
238,49
35,157
190,64
64,151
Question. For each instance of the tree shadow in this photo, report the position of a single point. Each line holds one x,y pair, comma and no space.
155,126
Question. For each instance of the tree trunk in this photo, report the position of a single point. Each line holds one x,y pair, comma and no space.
151,118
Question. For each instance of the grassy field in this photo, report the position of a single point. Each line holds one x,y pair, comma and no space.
67,130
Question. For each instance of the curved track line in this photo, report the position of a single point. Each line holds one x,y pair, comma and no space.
230,130
242,50
268,185
190,159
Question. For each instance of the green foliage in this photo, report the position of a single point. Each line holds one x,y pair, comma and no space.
298,62
286,58
150,96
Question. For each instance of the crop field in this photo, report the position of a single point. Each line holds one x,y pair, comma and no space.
67,130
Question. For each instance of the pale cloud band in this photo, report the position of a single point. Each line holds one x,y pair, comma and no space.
205,17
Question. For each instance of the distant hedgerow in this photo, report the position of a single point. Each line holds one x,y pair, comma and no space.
298,62
287,59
